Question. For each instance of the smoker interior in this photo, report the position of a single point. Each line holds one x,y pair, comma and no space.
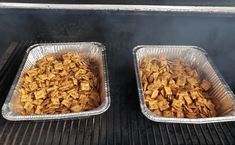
120,32
135,2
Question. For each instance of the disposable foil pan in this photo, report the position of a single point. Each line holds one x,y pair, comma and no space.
36,52
221,94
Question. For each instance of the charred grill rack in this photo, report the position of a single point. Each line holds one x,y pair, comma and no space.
123,123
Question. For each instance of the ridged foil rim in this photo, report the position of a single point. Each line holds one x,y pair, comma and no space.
153,117
9,115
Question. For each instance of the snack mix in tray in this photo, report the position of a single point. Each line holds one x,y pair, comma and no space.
173,88
60,83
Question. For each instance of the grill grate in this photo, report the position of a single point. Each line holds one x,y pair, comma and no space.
123,123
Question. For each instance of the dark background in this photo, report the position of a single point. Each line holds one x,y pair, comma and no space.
213,32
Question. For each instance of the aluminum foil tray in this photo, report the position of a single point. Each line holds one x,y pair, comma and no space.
37,51
221,94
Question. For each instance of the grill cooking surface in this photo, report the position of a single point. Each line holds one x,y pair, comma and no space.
123,123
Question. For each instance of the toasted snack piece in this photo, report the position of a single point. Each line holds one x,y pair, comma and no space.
28,106
76,108
154,94
55,101
168,90
192,81
179,114
38,101
177,104
167,113
66,103
157,112
38,110
181,81
41,94
187,99
60,83
163,105
173,88
153,105
194,94
26,98
205,85
85,86
191,115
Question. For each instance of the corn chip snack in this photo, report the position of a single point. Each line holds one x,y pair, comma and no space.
60,83
173,88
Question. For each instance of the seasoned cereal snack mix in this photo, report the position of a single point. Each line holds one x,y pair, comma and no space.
59,84
173,88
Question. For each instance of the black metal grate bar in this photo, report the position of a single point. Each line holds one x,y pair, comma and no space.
40,133
176,135
219,136
199,134
7,140
161,132
123,123
213,134
168,134
227,133
182,134
47,133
